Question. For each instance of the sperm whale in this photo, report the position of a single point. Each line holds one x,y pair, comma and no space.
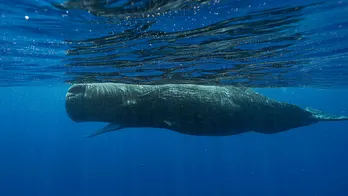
191,109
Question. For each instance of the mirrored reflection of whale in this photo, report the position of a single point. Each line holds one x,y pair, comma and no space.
137,8
186,108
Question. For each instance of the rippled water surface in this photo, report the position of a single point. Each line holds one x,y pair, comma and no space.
250,43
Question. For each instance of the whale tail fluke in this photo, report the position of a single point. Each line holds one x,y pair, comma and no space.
322,116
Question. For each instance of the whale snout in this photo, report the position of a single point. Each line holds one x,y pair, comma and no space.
92,102
76,91
75,102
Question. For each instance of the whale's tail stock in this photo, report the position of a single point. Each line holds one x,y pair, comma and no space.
322,116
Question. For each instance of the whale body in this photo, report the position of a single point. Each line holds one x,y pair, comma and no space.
199,110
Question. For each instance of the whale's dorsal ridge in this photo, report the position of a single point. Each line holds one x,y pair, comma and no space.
322,116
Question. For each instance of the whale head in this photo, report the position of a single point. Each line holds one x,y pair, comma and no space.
93,102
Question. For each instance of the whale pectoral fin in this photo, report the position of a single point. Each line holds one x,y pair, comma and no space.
169,123
108,128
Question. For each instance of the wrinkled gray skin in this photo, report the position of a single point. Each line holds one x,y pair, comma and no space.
185,108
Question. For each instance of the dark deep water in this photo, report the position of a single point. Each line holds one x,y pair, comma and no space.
299,46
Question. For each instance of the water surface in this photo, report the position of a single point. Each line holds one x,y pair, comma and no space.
250,43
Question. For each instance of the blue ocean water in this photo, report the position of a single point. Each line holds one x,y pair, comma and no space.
261,44
44,153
